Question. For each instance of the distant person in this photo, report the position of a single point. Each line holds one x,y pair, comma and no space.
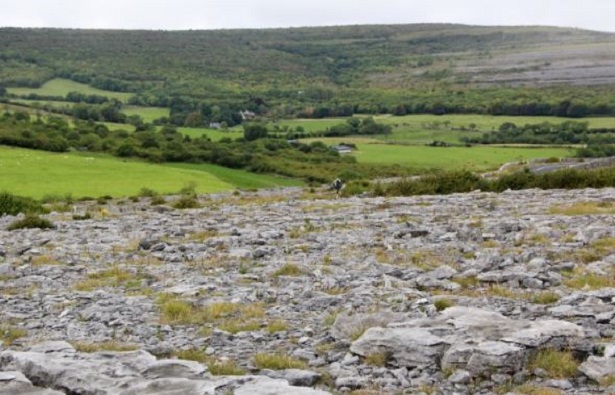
337,185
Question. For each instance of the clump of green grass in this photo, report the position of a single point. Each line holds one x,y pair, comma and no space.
329,319
113,277
277,326
597,250
584,208
467,282
547,297
443,304
277,362
231,317
358,332
289,269
104,346
8,334
377,359
557,364
225,368
30,222
590,280
176,311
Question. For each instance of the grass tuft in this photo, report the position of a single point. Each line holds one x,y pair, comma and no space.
277,362
547,297
377,359
31,222
8,334
584,208
443,304
557,364
214,366
289,269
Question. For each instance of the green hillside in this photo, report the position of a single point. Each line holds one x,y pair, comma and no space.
347,69
37,174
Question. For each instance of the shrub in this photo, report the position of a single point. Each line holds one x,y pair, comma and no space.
157,200
353,188
186,202
31,221
465,181
147,192
13,205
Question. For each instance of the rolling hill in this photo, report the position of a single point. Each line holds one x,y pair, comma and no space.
207,63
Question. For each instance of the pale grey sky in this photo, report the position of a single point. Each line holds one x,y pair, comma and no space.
217,14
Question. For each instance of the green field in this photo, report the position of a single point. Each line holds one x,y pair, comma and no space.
38,173
61,87
420,157
424,128
485,122
450,158
148,114
239,178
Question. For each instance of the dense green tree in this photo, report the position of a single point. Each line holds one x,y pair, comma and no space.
254,131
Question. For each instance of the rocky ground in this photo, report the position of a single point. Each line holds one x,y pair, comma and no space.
292,292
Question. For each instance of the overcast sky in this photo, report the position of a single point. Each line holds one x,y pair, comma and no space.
217,14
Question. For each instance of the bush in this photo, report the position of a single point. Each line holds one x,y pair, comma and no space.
13,205
186,201
355,188
157,200
461,182
147,192
30,222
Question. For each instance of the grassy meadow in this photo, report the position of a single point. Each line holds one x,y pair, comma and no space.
38,173
239,178
148,114
61,87
478,158
485,122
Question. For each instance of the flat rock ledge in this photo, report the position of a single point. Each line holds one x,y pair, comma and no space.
62,370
